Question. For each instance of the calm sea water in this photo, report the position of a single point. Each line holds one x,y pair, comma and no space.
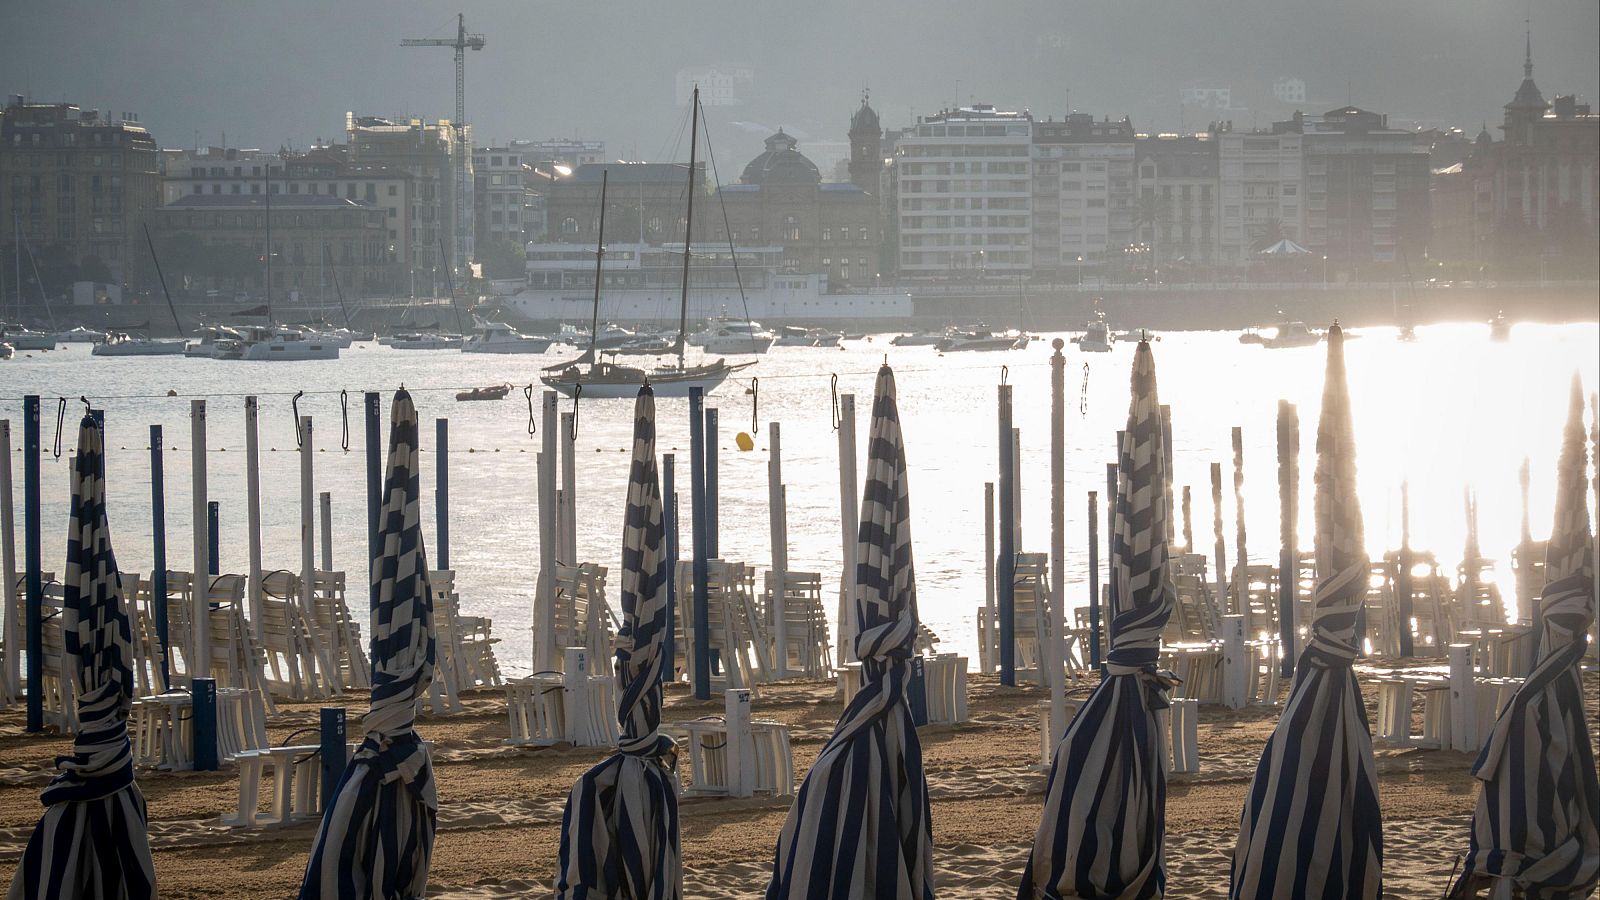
1449,412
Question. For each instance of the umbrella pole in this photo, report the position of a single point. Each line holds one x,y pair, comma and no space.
1220,545
849,513
31,551
1006,566
777,524
1111,551
544,652
1241,563
1094,581
373,422
308,538
701,612
200,583
441,492
1288,555
8,566
158,574
1058,541
567,506
991,641
1188,521
712,550
252,491
325,517
669,540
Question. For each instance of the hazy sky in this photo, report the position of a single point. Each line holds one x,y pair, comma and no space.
285,71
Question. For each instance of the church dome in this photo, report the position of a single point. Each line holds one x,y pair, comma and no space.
781,164
865,119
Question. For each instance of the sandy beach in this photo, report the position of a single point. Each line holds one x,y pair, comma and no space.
500,807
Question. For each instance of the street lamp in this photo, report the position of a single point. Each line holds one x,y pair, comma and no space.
1324,271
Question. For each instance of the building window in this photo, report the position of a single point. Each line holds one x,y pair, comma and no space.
827,233
569,225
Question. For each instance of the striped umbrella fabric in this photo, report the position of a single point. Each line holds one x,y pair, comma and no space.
376,837
859,826
1311,825
93,841
1101,831
619,832
1537,824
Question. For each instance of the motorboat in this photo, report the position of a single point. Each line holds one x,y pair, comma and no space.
1250,336
82,335
606,337
498,337
1290,335
725,335
21,338
416,340
959,340
1097,336
7,351
120,343
208,338
918,339
645,345
1134,335
263,342
796,336
489,392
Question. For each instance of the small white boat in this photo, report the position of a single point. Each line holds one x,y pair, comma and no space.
7,351
1291,334
21,338
260,343
498,337
120,343
426,341
919,339
725,335
980,341
82,335
1097,336
609,380
796,336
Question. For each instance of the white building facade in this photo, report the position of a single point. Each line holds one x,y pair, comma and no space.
965,199
1261,176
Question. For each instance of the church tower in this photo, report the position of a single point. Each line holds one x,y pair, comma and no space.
866,148
1528,106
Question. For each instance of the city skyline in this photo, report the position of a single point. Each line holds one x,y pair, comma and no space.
530,81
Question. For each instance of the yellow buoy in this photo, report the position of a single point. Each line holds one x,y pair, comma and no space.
745,442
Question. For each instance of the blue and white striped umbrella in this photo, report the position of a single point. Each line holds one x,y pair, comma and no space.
93,841
1537,824
1105,803
1311,825
376,838
619,832
859,826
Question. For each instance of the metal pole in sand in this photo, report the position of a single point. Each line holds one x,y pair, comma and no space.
252,513
1058,541
214,536
544,606
568,506
991,643
1220,546
371,412
158,546
1402,575
32,563
712,550
441,492
849,515
325,517
1094,580
308,531
1188,521
200,583
777,517
1288,554
1109,615
669,513
1241,564
8,566
700,611
1005,586
1166,473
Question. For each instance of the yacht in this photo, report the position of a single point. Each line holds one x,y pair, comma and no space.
796,336
208,338
498,337
21,338
262,342
82,335
120,343
958,340
6,350
919,339
417,340
725,335
1097,336
645,344
1291,334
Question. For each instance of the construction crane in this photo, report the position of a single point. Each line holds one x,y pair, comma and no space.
461,43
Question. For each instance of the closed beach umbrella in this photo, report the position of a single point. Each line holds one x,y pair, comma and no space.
619,833
1311,825
1105,803
92,841
376,838
859,826
1537,825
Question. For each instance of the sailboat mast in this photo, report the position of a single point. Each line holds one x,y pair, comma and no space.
337,291
599,255
163,279
267,178
688,227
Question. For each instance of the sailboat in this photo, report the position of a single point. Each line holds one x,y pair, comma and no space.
121,343
590,376
19,336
